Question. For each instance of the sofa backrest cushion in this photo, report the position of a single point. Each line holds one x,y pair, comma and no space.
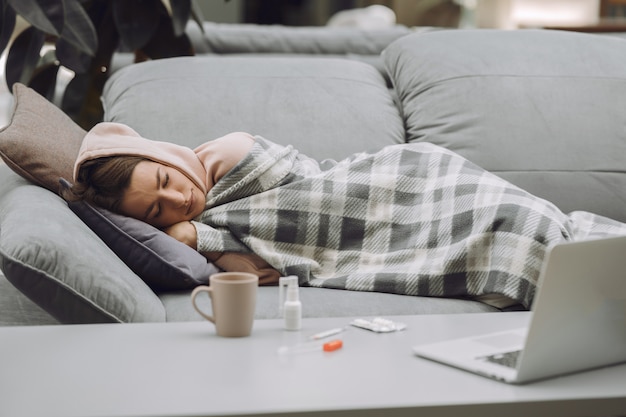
326,108
543,109
228,38
360,44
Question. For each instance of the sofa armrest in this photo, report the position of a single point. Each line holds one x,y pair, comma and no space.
53,258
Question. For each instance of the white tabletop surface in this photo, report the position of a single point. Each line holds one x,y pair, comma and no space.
184,369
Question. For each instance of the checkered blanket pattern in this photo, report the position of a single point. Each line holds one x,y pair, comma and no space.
412,219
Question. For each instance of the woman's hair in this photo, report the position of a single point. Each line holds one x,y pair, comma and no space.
103,181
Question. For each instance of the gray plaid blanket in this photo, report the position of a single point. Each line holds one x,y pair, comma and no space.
412,219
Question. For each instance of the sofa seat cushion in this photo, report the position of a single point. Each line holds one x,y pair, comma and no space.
326,302
326,108
543,109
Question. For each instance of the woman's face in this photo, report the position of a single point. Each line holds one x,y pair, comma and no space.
161,195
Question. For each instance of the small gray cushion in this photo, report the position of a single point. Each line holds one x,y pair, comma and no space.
326,108
164,263
542,109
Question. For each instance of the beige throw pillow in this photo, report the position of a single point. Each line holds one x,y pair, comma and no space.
41,142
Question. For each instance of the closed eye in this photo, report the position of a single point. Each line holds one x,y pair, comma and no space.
166,181
159,184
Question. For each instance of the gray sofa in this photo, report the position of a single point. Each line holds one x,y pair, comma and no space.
543,109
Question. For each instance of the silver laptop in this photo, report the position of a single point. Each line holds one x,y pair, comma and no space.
578,320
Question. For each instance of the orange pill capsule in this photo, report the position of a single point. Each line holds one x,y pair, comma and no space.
332,345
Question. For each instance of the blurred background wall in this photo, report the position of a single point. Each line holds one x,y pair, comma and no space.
507,14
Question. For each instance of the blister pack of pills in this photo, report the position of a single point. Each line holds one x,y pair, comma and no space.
378,325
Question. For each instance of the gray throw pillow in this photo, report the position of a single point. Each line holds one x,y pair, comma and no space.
161,261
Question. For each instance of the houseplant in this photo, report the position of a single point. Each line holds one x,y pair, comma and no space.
82,36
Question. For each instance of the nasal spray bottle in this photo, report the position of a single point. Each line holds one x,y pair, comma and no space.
291,307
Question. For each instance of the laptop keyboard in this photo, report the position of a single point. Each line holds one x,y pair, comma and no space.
508,359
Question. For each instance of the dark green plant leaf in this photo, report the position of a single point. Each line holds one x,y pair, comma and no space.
23,56
164,44
46,15
78,29
71,57
81,99
74,95
181,10
136,20
44,80
7,19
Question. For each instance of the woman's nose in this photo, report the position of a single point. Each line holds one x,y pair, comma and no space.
174,198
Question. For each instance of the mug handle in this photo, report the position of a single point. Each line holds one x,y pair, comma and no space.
194,293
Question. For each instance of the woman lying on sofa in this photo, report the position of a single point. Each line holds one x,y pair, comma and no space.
412,219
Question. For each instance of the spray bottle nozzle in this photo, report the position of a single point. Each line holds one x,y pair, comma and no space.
290,307
290,286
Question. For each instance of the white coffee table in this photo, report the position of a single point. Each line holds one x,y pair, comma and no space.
183,369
